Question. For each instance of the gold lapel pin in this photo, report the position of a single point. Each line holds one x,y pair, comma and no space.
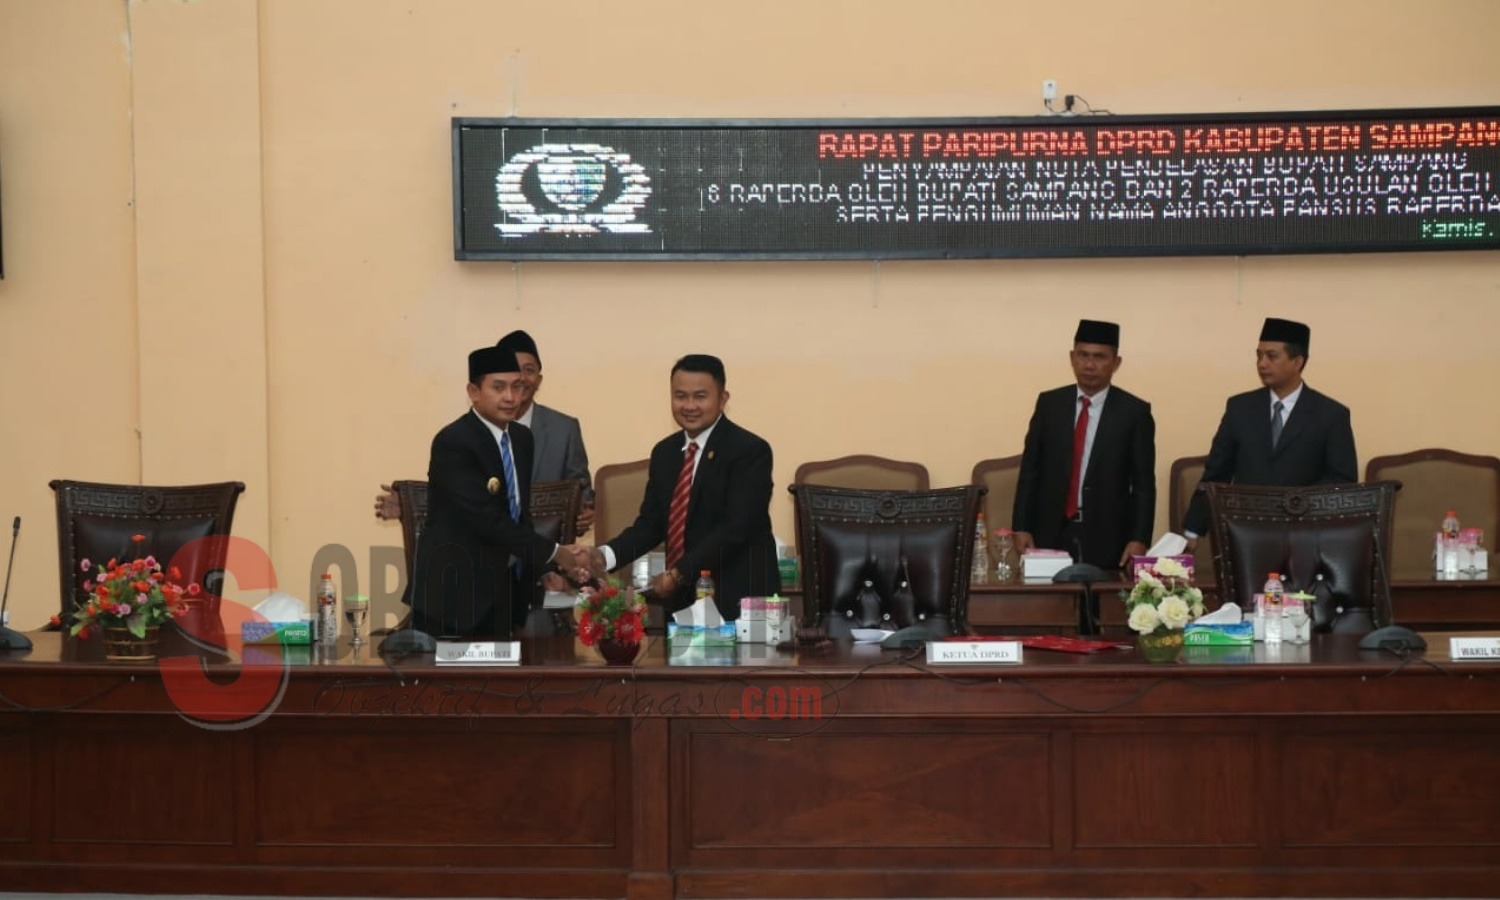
710,454
493,485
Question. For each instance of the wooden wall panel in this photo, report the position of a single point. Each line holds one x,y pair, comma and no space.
445,785
16,777
142,780
918,785
1165,788
1381,790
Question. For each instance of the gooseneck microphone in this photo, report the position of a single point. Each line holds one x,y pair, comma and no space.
11,640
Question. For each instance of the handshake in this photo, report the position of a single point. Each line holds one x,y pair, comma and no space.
578,565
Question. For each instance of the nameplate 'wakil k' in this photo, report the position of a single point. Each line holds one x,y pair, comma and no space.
973,653
478,653
1466,648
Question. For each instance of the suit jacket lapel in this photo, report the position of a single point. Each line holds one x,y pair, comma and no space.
707,462
490,449
540,433
1109,418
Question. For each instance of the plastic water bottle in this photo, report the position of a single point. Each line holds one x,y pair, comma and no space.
328,611
979,571
1448,543
704,590
1273,592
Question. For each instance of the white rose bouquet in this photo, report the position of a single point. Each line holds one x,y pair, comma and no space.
1163,598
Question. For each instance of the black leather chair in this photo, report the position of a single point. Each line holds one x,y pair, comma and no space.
554,512
96,521
849,536
1329,540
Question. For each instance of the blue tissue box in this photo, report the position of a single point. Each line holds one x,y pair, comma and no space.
1240,634
701,636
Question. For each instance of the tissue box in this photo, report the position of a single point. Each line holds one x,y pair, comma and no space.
1138,563
700,635
284,633
1240,634
752,627
755,630
1043,565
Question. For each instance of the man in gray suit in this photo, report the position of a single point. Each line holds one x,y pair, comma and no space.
559,451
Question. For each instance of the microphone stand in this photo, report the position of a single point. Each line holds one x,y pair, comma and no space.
11,640
1088,604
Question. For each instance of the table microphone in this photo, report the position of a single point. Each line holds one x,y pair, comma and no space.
11,640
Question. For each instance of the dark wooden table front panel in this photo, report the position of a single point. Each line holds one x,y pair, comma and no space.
842,772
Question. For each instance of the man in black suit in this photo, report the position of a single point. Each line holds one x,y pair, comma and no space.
560,453
708,494
1088,472
478,545
1284,434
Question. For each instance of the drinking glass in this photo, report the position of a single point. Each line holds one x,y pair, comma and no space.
356,610
1296,619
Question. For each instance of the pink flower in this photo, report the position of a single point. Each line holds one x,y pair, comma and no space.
140,598
99,578
150,562
85,565
123,609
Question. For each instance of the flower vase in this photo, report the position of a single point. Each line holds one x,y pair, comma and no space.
122,646
1161,646
618,653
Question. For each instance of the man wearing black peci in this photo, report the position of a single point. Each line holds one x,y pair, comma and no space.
1284,434
1088,472
478,546
560,453
708,494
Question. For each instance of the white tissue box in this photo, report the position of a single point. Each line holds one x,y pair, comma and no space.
751,627
1038,566
754,630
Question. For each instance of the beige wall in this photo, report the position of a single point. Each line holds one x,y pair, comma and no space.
228,240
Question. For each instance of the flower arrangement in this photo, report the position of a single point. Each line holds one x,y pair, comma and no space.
134,595
1163,598
609,611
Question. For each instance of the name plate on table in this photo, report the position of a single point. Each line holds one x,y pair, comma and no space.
1464,648
973,653
478,653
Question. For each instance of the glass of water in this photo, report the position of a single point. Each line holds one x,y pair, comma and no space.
356,611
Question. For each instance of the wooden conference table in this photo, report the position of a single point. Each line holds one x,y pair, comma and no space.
837,772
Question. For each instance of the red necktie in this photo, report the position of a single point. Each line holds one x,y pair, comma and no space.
677,516
1080,437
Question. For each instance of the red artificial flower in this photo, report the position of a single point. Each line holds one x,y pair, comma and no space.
610,592
176,573
193,590
56,620
628,628
138,538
